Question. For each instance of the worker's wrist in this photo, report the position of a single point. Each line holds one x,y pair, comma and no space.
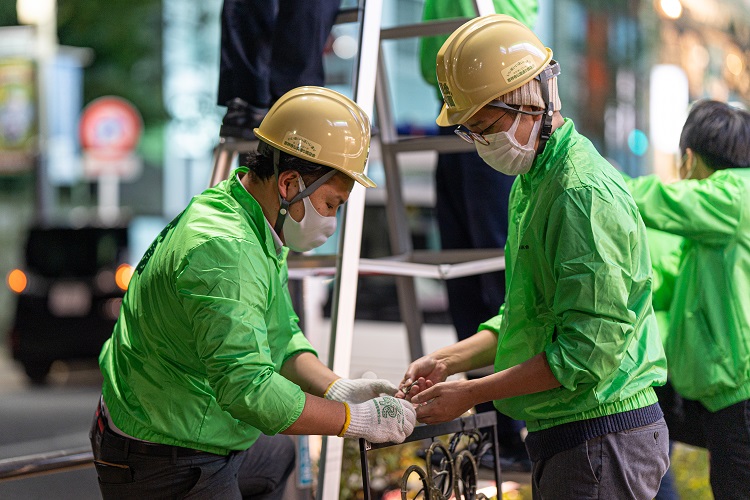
445,363
347,420
325,393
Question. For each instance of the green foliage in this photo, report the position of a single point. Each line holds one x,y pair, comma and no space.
386,467
125,36
690,466
8,13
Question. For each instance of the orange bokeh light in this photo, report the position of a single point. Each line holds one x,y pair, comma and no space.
17,280
122,276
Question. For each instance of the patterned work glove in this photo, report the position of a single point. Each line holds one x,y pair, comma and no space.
380,420
358,390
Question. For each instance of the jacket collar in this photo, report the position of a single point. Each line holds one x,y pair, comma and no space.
553,152
254,212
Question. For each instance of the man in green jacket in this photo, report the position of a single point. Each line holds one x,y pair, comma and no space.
664,250
576,347
207,366
471,207
708,344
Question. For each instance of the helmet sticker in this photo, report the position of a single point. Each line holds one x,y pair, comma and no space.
518,69
447,96
301,144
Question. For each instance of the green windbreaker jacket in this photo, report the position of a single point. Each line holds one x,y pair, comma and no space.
708,345
578,288
204,328
665,251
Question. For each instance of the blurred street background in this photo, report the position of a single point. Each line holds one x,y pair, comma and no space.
142,76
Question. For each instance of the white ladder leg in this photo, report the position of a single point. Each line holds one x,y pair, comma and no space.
347,265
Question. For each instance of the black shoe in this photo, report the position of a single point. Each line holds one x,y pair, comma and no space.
240,120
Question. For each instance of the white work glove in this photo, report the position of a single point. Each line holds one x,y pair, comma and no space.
346,390
380,420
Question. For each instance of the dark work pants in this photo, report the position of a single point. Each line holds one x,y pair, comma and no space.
620,465
259,473
269,47
668,487
472,212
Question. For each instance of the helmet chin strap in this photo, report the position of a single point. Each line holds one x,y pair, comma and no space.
284,204
544,77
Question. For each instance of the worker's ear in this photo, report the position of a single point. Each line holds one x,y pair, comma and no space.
288,184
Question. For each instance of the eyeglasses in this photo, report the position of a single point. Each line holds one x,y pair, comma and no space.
471,137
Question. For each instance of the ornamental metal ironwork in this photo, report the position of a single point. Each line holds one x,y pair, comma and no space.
450,470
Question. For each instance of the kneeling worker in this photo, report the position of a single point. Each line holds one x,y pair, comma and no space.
207,368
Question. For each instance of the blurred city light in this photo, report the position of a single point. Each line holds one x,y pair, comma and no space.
111,308
345,47
638,142
734,64
17,280
122,276
668,106
105,281
671,8
36,11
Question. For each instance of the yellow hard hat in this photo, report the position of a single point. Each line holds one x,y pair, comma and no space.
322,126
483,59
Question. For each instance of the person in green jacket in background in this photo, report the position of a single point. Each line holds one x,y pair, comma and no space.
665,250
708,344
576,347
471,204
207,369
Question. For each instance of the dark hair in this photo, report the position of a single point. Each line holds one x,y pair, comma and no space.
260,163
719,133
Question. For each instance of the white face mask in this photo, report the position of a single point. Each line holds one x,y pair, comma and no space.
689,170
505,154
312,231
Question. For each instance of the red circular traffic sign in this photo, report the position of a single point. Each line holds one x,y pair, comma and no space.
110,127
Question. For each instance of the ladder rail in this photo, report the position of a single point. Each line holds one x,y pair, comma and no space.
350,240
398,229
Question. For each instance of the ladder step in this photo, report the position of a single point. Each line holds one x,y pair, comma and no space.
424,28
237,145
439,143
405,144
348,15
445,264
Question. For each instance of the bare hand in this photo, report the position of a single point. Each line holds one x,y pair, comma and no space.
443,402
421,374
409,391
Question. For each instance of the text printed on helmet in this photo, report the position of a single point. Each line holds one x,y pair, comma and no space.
301,144
518,69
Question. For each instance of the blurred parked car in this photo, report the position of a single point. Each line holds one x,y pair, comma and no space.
69,294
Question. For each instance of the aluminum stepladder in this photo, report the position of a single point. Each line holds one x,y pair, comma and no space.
371,89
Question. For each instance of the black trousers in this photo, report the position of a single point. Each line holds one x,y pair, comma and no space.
269,47
725,434
128,469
